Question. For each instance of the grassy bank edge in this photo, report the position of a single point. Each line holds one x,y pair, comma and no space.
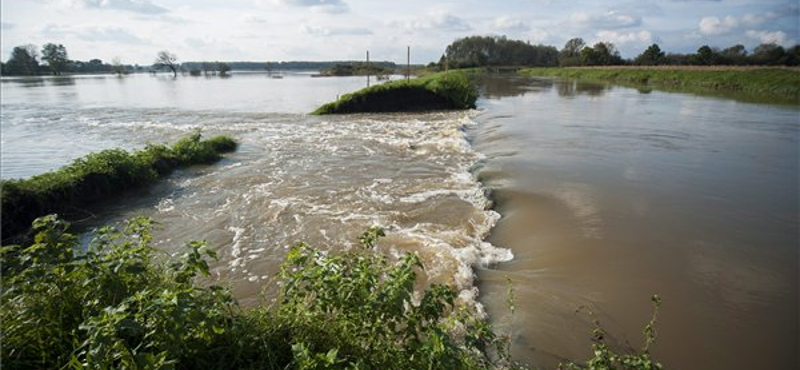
454,87
100,176
778,85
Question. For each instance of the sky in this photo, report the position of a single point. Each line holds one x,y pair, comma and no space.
282,30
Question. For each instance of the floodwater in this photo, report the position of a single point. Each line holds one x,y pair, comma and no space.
602,196
610,195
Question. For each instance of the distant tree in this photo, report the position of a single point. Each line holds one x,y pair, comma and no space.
56,57
23,61
165,59
651,56
479,51
706,56
769,54
676,59
602,53
118,67
570,55
736,54
223,69
793,56
206,67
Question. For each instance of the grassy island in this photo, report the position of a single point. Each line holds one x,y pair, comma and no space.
778,85
437,91
100,176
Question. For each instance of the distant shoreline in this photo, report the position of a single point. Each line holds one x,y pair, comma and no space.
749,83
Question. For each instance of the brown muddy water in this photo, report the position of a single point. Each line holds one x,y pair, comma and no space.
602,196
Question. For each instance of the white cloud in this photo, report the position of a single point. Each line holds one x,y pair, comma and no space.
622,38
314,30
442,21
716,26
253,19
7,26
136,6
324,6
110,34
538,35
509,24
608,20
769,37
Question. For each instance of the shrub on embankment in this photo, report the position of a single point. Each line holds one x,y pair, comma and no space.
99,176
439,91
117,306
780,84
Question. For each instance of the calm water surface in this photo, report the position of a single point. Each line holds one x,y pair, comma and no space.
605,196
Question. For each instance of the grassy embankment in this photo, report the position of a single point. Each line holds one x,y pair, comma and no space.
100,176
758,84
436,91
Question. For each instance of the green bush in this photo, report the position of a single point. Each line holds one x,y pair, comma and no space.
432,92
99,176
115,305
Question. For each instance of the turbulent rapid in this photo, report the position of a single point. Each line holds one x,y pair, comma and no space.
295,177
324,181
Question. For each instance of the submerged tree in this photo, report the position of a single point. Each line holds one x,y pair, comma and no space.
223,69
56,57
165,59
23,61
118,67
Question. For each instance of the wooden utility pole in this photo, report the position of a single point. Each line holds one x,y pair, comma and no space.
367,68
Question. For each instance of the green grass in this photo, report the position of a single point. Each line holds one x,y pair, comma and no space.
778,85
100,176
431,92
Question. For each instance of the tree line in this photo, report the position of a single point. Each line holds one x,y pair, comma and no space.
28,60
486,51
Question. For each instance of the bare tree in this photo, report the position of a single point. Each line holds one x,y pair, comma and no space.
165,59
118,67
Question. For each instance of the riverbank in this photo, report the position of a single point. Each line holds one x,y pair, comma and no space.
100,176
438,91
760,84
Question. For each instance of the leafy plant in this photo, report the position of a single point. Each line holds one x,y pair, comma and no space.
115,304
606,359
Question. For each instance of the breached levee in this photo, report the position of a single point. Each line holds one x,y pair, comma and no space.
446,223
439,91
